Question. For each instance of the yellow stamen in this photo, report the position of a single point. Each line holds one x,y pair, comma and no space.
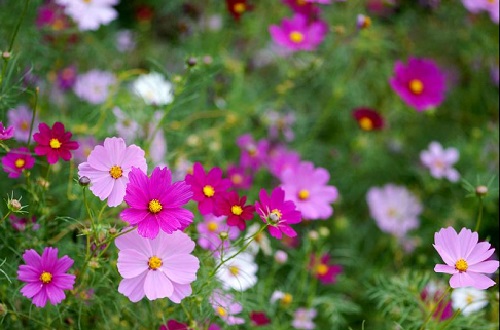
19,163
155,263
25,126
239,8
236,210
287,299
296,37
208,191
212,226
55,143
416,86
221,311
301,2
321,269
116,172
303,194
46,277
275,215
236,179
155,206
235,271
461,265
366,124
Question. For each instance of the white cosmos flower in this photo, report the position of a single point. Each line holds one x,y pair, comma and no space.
469,300
260,242
90,15
239,272
154,89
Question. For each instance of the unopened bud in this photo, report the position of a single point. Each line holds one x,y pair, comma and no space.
93,263
313,235
6,55
223,235
14,205
112,231
481,191
84,181
191,62
3,310
280,257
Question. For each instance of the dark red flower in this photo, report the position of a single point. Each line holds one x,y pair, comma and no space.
259,318
54,143
238,8
235,209
174,325
368,119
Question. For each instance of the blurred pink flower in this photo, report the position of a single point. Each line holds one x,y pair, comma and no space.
304,7
239,177
226,307
440,161
6,132
156,268
465,258
90,15
17,160
20,224
432,295
126,127
298,34
280,159
303,318
20,119
86,144
325,272
108,167
93,86
209,233
156,203
253,154
491,6
66,77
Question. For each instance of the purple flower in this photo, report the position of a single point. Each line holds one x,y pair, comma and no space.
90,15
281,159
86,144
303,7
303,318
278,213
125,41
127,128
226,307
298,34
280,124
45,276
158,268
307,187
93,86
108,167
210,230
20,224
440,161
239,177
421,84
156,203
6,132
394,209
66,78
54,142
465,258
17,160
20,119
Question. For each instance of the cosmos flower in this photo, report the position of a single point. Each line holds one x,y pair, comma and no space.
86,145
431,295
363,22
239,177
278,213
260,240
253,154
125,41
325,272
21,224
212,229
304,7
420,83
284,298
394,209
235,209
6,132
51,16
368,119
17,160
226,307
54,143
108,167
491,6
20,119
303,318
469,300
45,276
238,273
298,34
280,124
156,203
90,15
66,78
280,159
126,127
94,86
154,89
465,258
238,7
440,161
157,268
259,318
307,188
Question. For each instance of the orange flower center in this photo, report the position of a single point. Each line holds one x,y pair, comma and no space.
366,124
55,143
239,8
236,179
154,263
212,226
461,265
46,277
155,206
208,191
116,172
321,269
416,86
19,163
25,126
296,37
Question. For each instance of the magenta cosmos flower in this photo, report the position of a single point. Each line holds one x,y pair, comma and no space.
16,161
54,143
307,187
235,209
156,203
253,154
207,187
298,34
108,167
465,258
45,276
6,132
440,161
278,213
420,83
303,7
323,270
159,268
226,307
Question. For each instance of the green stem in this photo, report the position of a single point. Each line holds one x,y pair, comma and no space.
449,321
480,214
37,90
5,217
435,307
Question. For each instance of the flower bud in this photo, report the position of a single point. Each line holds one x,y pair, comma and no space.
313,235
84,181
481,191
280,257
223,235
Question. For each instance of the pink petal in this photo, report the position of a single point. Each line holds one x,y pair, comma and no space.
168,245
40,299
133,288
181,268
481,281
31,289
479,253
55,294
180,292
131,263
32,258
444,255
489,266
134,241
460,280
157,285
468,241
117,193
148,227
445,269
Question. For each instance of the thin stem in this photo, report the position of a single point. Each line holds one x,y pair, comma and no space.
5,217
435,307
37,90
480,214
448,322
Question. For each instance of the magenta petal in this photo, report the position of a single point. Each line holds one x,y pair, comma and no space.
40,299
133,216
149,227
55,294
31,289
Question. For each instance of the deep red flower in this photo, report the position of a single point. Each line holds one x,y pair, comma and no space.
238,8
368,119
235,209
174,325
325,272
54,143
259,318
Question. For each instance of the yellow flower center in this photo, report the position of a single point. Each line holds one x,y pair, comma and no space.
321,269
287,299
236,210
303,194
116,172
469,299
208,191
46,277
212,226
416,86
239,8
296,37
87,1
221,311
234,270
55,143
19,163
275,215
366,124
461,265
25,126
301,2
155,206
367,22
391,212
236,179
154,263
258,238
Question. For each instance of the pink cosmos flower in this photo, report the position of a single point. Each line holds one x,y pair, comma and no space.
259,318
207,187
239,177
253,154
6,132
440,161
432,295
325,272
303,7
210,230
394,209
126,127
491,6
93,86
235,209
108,167
51,16
158,268
281,159
298,34
17,160
303,318
90,15
226,307
54,143
20,119
280,124
156,203
86,144
465,258
21,224
174,325
66,77
278,213
307,187
45,276
421,84
125,41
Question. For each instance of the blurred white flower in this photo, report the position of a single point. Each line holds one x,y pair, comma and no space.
154,89
469,300
238,273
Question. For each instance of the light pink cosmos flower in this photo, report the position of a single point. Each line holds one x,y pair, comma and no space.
226,307
298,34
491,6
307,187
45,276
90,15
108,167
440,161
394,209
281,159
253,154
158,268
210,230
20,119
86,144
303,318
156,203
465,258
93,86
126,127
